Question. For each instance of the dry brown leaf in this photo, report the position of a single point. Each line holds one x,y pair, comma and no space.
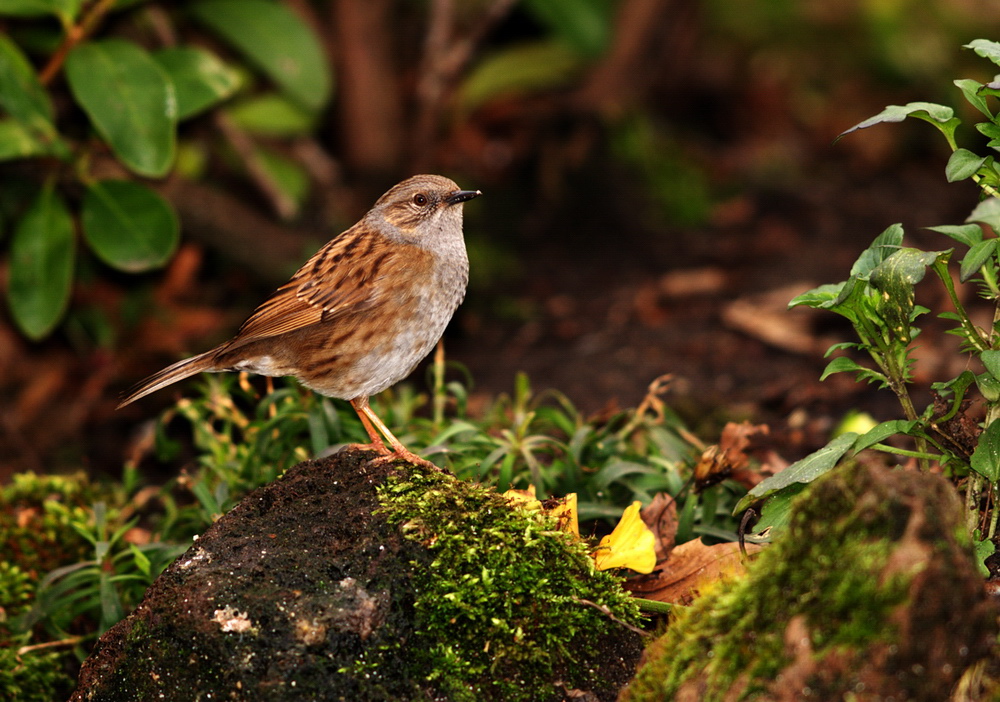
660,516
731,457
690,567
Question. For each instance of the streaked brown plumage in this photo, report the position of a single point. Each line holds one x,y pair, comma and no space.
362,312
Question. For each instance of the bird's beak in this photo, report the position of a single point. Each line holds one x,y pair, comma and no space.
462,196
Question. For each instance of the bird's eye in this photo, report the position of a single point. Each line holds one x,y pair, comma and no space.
419,199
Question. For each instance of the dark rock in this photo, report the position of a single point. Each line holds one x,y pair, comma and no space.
303,591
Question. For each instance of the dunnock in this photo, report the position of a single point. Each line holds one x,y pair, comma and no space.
362,312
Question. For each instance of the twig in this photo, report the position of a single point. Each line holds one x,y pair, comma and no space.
246,149
443,59
74,35
607,612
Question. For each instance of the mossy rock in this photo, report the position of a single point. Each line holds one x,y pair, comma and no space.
353,580
871,594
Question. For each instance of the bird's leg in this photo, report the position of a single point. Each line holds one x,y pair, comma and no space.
371,421
365,414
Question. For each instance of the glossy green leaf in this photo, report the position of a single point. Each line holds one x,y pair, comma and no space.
942,116
985,48
200,79
523,68
881,432
968,234
885,244
128,226
991,361
987,212
970,89
895,278
65,10
962,164
21,94
841,364
585,25
42,254
271,115
975,258
130,101
803,471
776,511
820,298
277,41
986,458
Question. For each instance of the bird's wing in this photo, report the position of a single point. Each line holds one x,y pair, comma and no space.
334,282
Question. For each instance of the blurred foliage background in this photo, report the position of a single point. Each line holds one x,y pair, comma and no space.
165,165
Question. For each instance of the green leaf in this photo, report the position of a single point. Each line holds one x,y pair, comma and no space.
991,361
277,41
523,68
841,364
128,226
986,458
990,130
141,560
962,164
987,49
21,94
968,234
289,176
984,549
987,212
200,79
881,432
617,469
970,89
956,387
803,471
584,25
819,298
885,244
129,99
65,10
42,253
271,115
975,258
941,116
17,142
895,278
989,387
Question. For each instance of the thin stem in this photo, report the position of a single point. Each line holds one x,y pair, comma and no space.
923,455
971,333
74,35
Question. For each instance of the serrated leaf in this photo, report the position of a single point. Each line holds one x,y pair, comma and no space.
841,364
130,101
985,48
271,115
968,234
975,258
277,41
804,471
200,79
42,253
128,226
987,212
524,68
986,458
962,164
881,432
970,89
65,10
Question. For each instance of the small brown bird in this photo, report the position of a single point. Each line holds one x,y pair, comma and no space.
361,313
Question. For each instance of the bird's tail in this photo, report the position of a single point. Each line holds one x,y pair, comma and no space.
170,374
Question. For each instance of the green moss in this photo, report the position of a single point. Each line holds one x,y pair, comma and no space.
501,609
831,568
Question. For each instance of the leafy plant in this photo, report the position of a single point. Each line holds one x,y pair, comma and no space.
878,299
134,100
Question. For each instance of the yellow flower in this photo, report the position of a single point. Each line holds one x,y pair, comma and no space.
562,508
631,544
